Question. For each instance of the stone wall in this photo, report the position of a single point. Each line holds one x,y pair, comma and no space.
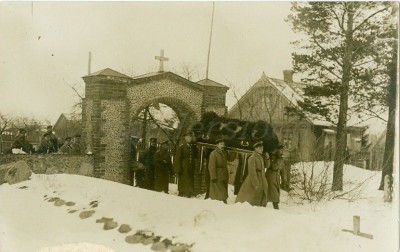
165,90
41,164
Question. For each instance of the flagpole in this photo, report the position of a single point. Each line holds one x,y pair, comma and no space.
209,43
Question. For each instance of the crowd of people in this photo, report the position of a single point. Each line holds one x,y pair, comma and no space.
49,144
156,166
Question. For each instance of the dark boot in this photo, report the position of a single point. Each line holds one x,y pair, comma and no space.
276,205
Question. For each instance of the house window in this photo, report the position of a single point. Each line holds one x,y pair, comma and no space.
287,138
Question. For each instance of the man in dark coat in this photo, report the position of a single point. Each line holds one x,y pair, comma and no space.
52,137
148,160
185,161
162,168
20,142
218,170
254,189
46,145
273,176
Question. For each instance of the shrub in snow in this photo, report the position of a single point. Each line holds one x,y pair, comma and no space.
312,181
17,172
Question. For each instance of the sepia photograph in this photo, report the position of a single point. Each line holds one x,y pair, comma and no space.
199,126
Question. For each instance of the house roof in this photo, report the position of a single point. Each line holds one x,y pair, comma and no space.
211,83
108,72
294,93
148,75
156,75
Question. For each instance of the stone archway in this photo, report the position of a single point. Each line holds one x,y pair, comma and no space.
186,116
112,100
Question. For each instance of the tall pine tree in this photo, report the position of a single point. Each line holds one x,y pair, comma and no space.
343,59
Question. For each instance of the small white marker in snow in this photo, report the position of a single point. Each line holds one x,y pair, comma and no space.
356,228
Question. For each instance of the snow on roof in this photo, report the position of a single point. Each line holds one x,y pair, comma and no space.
293,92
211,83
108,72
148,75
329,131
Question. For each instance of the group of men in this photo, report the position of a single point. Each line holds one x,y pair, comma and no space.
48,144
261,185
157,166
154,167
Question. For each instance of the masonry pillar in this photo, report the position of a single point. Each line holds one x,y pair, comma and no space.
105,125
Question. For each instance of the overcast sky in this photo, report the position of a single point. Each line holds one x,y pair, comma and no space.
44,46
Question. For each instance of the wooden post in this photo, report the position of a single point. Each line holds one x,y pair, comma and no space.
356,224
356,228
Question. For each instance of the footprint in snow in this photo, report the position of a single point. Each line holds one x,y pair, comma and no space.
86,214
94,204
108,223
59,202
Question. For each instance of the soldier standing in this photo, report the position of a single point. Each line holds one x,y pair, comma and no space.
273,176
148,160
217,166
254,189
185,165
163,168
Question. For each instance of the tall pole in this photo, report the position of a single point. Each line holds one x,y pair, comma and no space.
209,43
90,63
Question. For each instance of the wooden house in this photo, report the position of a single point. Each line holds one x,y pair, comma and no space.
305,138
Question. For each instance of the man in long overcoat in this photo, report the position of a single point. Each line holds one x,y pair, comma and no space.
254,189
162,168
184,166
273,176
148,160
217,167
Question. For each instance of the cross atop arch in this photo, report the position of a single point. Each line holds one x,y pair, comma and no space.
161,58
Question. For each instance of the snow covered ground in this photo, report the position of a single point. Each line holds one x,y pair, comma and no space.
43,214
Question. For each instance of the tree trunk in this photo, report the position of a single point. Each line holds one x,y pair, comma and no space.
390,128
341,137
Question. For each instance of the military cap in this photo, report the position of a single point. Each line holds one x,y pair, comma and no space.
219,140
67,138
22,131
77,135
258,144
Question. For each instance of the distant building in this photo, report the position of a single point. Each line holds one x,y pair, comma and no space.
66,126
375,153
304,139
